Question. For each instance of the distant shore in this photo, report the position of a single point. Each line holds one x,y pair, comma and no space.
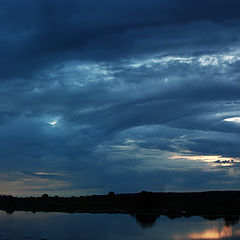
145,207
158,203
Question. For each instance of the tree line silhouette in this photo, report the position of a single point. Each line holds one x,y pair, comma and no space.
145,207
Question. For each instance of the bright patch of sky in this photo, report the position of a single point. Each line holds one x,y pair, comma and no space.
214,160
94,71
53,123
233,119
49,174
202,60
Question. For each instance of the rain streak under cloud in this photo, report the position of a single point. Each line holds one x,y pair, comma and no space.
124,96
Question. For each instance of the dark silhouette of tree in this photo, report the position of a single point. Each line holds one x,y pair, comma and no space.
145,220
111,194
45,196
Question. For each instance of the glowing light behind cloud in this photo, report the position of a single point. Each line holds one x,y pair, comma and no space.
53,123
214,160
53,120
49,174
233,119
203,60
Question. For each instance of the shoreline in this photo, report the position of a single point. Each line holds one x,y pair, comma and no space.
186,203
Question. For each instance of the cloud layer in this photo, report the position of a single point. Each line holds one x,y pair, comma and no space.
99,96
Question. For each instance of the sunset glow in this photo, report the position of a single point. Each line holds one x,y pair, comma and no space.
214,233
213,159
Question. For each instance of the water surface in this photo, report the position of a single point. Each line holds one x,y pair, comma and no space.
64,226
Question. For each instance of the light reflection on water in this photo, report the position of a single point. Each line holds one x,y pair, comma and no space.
64,226
226,232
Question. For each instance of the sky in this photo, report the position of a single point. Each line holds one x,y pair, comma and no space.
123,96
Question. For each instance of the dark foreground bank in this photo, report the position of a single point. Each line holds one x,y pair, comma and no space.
191,203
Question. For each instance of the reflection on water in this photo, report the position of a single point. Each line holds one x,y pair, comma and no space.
146,220
215,233
63,226
230,230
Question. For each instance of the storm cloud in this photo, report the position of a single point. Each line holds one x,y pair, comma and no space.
99,96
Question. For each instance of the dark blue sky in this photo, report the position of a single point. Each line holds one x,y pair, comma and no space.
123,96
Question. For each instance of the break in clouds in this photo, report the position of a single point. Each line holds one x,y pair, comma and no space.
117,95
